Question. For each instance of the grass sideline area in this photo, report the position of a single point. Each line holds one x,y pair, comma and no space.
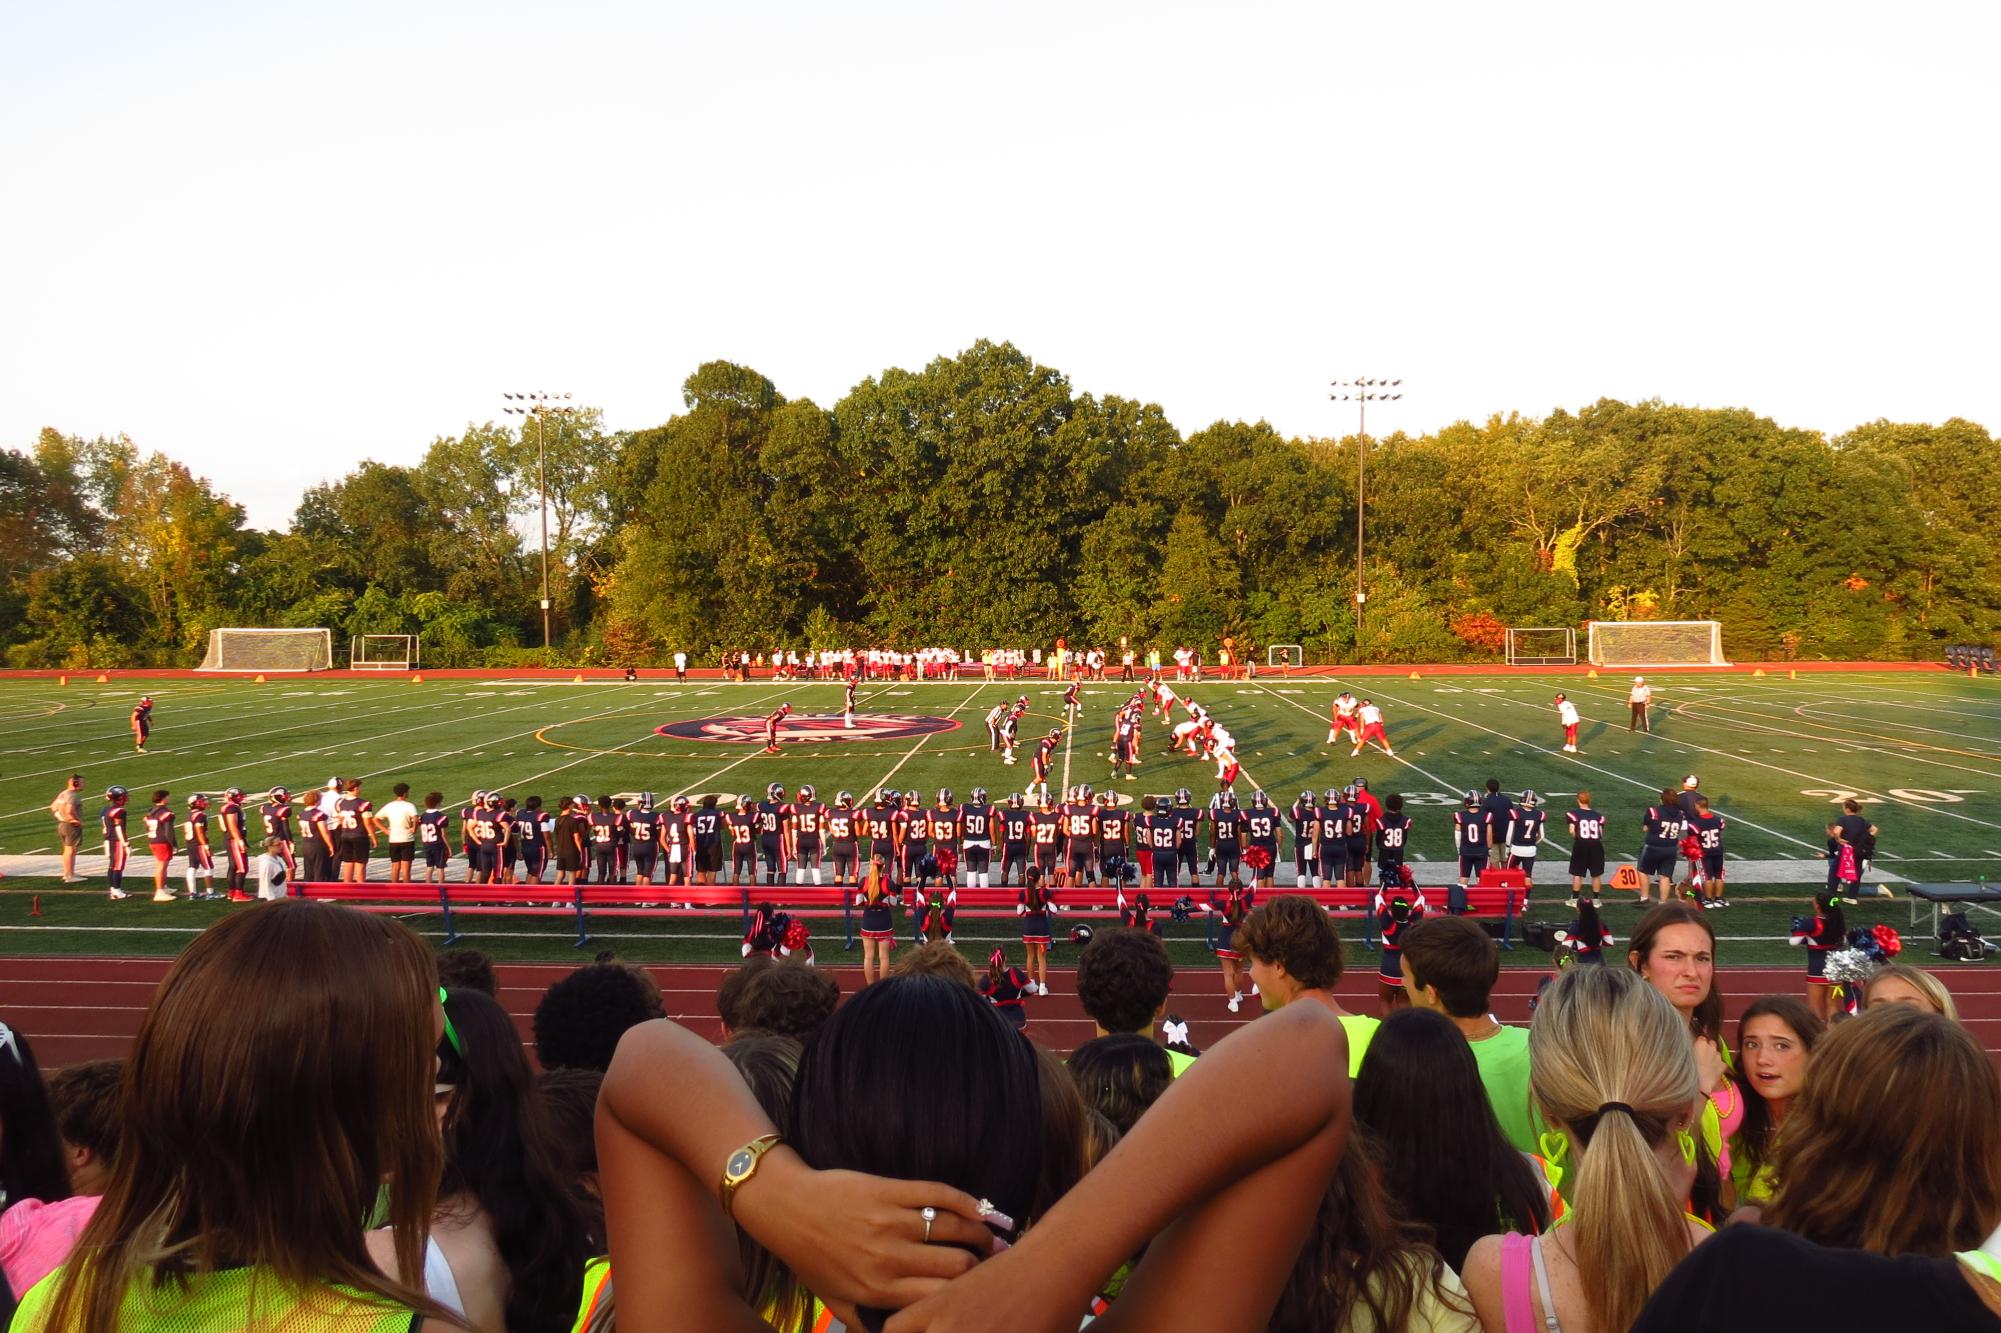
1776,756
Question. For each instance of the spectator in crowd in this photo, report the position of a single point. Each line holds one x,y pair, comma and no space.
935,958
1066,1138
581,1017
1217,1191
506,1245
1613,1072
1120,1076
1869,1229
1898,984
84,1098
467,969
1123,981
42,1218
1674,950
788,999
1450,966
269,1108
731,989
1442,1157
1295,954
770,1068
1775,1037
569,1106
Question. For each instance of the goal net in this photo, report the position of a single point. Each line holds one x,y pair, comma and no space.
382,652
1542,647
1285,656
1645,643
268,650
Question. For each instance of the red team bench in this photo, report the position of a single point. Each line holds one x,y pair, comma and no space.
1500,901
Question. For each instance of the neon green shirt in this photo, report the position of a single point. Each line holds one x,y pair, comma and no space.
1504,1069
1361,1030
231,1300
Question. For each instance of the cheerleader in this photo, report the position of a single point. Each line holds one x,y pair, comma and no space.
1137,914
1032,905
876,897
1585,940
1005,987
935,910
767,931
1233,909
796,941
1826,931
1397,910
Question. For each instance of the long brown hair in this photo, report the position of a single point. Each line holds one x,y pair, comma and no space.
1611,1061
1893,1145
1360,1254
1708,1017
282,1072
1755,1132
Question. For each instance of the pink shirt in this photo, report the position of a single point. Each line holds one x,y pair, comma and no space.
36,1237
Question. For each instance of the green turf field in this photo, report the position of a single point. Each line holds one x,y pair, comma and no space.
1922,750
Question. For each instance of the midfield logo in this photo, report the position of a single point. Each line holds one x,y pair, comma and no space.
807,728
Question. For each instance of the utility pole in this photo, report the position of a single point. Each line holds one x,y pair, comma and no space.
541,406
1362,392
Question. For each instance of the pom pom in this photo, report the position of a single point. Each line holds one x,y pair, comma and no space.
1258,858
1887,940
1849,965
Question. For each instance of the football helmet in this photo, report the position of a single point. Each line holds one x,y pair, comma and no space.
1259,800
479,797
280,794
1056,733
682,804
1306,797
1084,792
116,793
1530,800
1472,801
233,794
979,796
806,792
944,796
1081,934
197,802
1014,801
645,800
1182,796
1333,796
743,801
844,800
1229,800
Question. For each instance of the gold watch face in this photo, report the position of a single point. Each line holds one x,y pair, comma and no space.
740,1161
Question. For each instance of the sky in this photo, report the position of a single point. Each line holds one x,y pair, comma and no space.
271,240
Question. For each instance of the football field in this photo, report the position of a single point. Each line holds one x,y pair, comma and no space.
1776,756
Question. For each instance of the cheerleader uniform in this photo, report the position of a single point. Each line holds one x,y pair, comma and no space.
876,923
1395,914
1006,996
1233,912
1034,921
1826,932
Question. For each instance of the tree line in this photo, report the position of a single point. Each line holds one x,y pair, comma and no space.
983,501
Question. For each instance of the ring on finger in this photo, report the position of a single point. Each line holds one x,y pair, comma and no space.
929,1215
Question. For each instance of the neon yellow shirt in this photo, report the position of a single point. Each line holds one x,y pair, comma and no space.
232,1300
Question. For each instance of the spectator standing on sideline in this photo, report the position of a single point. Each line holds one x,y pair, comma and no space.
399,824
68,811
1640,703
680,666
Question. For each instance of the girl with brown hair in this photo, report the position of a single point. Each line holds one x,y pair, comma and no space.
277,1098
1774,1039
1674,951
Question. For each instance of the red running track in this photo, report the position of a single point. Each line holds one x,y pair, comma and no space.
76,1009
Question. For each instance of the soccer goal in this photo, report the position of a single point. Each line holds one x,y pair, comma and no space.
1285,656
1649,643
1542,647
268,650
382,652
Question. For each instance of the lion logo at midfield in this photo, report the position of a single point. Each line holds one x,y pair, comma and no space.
807,728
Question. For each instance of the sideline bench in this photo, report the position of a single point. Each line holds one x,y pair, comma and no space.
580,902
1941,895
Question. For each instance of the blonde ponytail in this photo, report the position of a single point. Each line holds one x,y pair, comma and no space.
1610,1059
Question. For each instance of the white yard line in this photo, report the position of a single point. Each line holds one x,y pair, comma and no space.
883,781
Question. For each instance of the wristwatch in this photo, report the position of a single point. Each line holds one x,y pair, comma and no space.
742,1165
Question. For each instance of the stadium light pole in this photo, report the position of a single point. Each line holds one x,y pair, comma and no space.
540,406
1362,392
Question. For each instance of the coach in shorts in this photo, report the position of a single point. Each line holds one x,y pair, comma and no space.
399,827
68,810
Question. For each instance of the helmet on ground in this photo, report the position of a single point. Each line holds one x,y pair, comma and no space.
645,800
979,796
844,799
806,792
1081,935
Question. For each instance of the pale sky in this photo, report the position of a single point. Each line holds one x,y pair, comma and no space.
273,239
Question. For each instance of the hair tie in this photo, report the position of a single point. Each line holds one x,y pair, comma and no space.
1613,1106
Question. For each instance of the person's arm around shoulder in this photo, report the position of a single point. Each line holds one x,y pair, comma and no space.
1210,1190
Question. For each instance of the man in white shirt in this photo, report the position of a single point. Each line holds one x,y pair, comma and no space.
399,820
1641,697
680,666
1567,711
